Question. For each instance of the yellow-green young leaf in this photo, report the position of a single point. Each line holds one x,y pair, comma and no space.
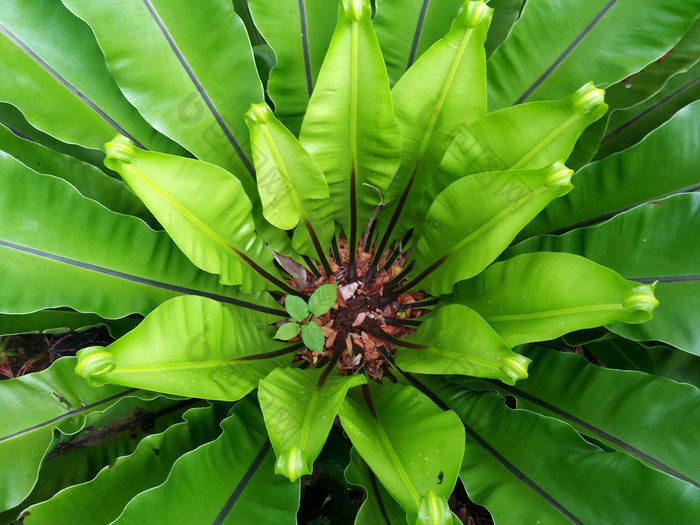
349,127
526,136
442,92
299,408
292,187
456,340
475,218
189,346
540,296
388,426
203,208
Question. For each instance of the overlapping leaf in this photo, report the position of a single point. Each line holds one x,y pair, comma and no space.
176,63
134,268
455,340
300,44
475,218
197,347
383,423
540,296
227,481
299,408
575,35
646,244
204,209
32,407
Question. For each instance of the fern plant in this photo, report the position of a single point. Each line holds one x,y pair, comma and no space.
326,255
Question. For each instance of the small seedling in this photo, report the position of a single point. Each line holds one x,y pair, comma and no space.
301,315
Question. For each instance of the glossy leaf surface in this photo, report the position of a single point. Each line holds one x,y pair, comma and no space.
455,340
292,187
102,499
407,29
86,178
575,32
377,421
510,466
213,228
525,136
197,348
299,408
349,128
626,410
540,296
378,506
33,406
174,62
632,176
63,64
134,268
442,92
475,218
300,44
227,481
643,238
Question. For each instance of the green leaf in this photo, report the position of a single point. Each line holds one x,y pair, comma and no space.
65,67
292,187
203,208
506,13
102,499
529,136
386,425
625,410
526,467
287,331
643,245
227,481
407,29
62,321
323,299
299,33
174,62
639,174
575,35
299,408
349,128
53,260
313,337
455,340
378,506
628,127
32,407
86,178
540,296
296,307
441,93
475,218
197,347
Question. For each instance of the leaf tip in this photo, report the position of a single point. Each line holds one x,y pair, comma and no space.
641,299
291,464
119,150
473,14
515,367
355,10
558,179
433,510
94,361
258,114
588,98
